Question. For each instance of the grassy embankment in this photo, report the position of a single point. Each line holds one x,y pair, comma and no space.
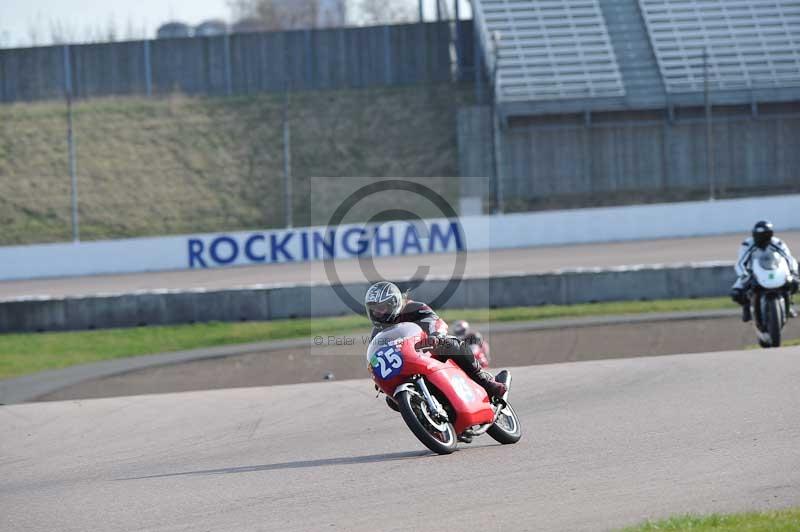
22,354
184,165
776,521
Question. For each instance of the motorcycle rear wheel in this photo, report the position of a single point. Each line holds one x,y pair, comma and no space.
411,408
506,429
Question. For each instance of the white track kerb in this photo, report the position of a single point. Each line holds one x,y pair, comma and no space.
397,238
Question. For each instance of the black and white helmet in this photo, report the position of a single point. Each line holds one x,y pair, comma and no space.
383,302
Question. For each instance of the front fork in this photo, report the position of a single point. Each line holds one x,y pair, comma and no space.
434,405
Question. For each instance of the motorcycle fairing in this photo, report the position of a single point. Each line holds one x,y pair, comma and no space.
467,397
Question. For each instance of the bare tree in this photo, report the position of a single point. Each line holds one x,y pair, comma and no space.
99,33
61,32
134,32
378,12
286,14
241,9
111,30
96,33
33,33
337,13
89,33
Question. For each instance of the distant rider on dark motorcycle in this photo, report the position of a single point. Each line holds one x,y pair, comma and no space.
763,239
386,305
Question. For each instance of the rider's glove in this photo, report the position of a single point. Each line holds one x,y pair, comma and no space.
794,285
435,340
429,342
450,342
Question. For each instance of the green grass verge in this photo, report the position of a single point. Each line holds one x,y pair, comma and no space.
777,521
22,354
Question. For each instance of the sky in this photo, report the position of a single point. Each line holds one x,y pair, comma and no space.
133,19
19,17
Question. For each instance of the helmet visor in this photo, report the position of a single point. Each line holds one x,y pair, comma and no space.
762,238
381,311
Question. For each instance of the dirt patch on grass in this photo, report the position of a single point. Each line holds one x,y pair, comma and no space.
311,364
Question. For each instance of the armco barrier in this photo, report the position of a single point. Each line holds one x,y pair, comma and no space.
273,303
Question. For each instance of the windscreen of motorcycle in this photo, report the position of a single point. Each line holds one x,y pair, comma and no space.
769,260
770,270
390,337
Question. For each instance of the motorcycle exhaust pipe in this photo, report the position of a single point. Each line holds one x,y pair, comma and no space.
481,429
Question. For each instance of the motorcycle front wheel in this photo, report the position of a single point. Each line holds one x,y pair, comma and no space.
774,311
414,409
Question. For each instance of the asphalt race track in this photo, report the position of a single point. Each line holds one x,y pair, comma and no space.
479,264
607,444
557,341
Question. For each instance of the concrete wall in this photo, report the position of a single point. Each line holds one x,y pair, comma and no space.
475,157
436,235
240,63
161,308
625,157
652,158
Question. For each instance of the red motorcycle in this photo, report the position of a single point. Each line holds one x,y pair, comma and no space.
437,400
481,354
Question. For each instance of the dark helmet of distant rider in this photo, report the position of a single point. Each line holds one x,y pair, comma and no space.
383,302
763,232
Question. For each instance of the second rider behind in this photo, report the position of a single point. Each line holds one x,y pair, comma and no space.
763,238
386,305
474,339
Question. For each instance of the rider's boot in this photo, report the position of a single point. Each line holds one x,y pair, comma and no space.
492,387
465,438
746,315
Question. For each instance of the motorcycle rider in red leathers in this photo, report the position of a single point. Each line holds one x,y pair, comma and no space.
474,339
386,305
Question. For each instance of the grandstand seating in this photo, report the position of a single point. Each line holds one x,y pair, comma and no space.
750,44
549,49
